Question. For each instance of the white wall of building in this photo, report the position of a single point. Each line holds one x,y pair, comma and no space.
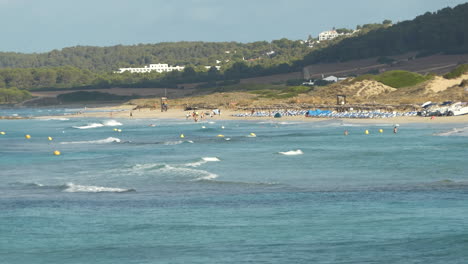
326,35
159,67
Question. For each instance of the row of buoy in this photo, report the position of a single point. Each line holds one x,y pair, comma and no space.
117,130
346,132
27,136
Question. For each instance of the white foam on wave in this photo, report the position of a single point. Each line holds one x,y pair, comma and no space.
55,119
184,172
292,152
70,187
202,161
112,123
210,176
89,126
175,171
148,166
462,132
173,142
100,141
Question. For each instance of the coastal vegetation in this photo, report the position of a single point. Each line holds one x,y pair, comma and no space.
395,79
83,67
444,31
457,72
13,95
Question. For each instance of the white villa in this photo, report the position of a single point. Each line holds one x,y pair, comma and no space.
332,78
153,67
326,35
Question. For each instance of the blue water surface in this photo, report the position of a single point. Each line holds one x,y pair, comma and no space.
294,193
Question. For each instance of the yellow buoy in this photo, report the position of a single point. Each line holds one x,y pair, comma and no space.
27,136
50,138
182,136
2,133
220,135
381,130
115,129
57,153
367,132
253,135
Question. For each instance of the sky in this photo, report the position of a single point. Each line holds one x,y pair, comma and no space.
29,26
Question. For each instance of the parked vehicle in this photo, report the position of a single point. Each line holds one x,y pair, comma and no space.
445,109
459,108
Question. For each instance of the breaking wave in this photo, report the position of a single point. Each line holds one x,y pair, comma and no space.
112,123
88,126
462,132
202,161
96,125
292,152
55,119
100,141
71,187
176,171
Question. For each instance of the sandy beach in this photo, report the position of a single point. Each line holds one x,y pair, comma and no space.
126,111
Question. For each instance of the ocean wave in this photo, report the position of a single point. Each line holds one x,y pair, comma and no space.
71,187
100,141
55,119
292,152
148,166
174,171
461,132
112,123
89,126
202,161
209,177
169,143
108,123
252,184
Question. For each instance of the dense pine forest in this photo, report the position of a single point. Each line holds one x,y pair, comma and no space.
444,31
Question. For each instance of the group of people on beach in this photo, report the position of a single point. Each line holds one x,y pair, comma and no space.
201,115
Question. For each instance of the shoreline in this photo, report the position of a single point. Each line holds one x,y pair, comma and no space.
128,112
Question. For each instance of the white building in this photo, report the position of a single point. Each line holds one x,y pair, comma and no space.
326,35
209,67
333,79
153,67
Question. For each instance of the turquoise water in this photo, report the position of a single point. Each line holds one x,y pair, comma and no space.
145,195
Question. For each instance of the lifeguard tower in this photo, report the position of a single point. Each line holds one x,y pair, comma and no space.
340,99
164,104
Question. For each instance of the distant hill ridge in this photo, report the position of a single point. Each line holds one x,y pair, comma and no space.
444,31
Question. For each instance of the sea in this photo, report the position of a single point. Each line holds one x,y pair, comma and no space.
265,191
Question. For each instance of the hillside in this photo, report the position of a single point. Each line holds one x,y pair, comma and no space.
415,46
108,59
444,31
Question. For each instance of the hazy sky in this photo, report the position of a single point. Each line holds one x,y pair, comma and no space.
44,25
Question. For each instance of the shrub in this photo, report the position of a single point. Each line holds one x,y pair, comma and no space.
457,72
